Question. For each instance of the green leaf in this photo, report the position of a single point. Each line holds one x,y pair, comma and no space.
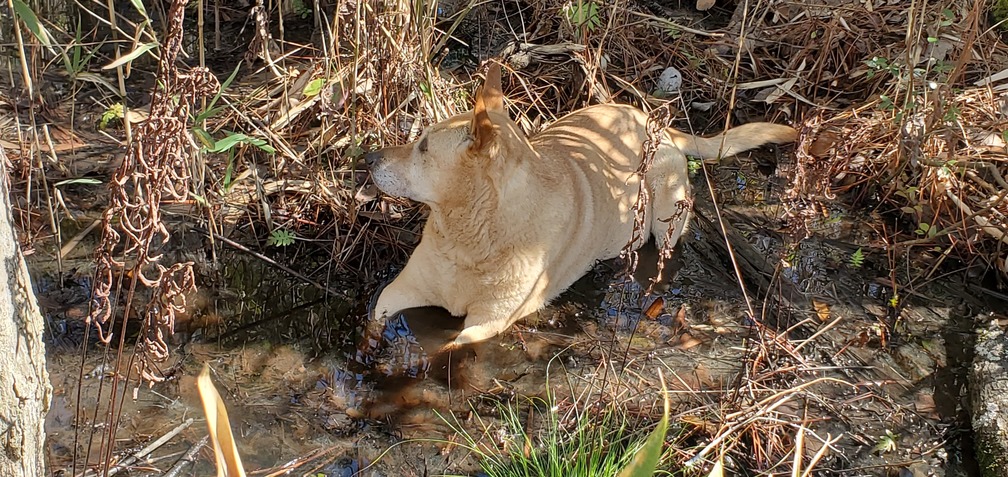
857,258
207,113
73,63
204,137
280,238
887,443
646,460
886,103
139,6
200,199
314,87
354,151
228,172
25,13
234,139
80,180
115,111
210,109
128,57
949,17
584,14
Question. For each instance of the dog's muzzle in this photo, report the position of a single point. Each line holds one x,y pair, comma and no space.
372,158
388,181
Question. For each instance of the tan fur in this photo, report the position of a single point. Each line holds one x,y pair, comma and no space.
514,221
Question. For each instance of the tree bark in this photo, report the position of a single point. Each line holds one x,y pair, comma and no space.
989,399
24,383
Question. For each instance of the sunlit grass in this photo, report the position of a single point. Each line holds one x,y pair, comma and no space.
539,437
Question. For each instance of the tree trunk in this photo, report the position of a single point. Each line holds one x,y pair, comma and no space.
24,382
989,398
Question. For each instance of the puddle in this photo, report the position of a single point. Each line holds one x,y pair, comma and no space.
285,357
826,336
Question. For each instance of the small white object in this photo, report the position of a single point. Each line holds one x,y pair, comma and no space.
669,81
702,105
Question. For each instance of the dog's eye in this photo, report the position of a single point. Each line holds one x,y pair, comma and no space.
422,147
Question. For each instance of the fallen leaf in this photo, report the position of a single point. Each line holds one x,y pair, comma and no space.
925,406
822,309
686,341
703,376
822,144
655,308
704,5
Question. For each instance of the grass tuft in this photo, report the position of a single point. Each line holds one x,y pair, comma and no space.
540,437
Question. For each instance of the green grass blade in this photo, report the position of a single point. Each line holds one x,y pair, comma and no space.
128,57
25,13
234,139
139,6
645,461
210,109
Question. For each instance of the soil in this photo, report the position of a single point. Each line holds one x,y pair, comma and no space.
861,349
285,355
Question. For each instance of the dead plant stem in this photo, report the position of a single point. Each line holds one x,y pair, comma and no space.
110,6
53,223
707,176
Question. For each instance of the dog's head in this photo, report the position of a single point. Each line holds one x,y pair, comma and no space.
447,154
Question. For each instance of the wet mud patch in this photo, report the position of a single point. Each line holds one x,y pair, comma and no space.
841,332
869,364
862,362
886,382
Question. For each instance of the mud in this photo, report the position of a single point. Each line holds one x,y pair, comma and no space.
885,375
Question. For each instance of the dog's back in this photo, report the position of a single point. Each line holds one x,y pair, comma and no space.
606,142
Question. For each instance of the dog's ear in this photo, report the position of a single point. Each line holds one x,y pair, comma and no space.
492,93
489,98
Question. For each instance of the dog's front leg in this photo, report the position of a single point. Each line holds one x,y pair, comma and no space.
493,317
481,327
495,314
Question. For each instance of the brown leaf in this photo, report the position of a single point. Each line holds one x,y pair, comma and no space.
703,376
704,5
686,341
822,309
655,308
823,143
925,405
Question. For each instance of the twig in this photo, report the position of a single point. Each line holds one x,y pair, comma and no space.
77,239
187,459
274,263
140,454
669,23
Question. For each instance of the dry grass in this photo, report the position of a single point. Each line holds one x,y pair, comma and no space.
921,131
901,107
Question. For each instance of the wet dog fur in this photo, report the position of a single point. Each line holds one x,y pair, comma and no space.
515,220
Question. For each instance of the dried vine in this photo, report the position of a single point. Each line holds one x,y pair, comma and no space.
154,169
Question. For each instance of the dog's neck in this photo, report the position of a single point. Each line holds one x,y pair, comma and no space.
478,222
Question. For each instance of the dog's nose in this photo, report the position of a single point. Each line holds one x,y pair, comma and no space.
372,158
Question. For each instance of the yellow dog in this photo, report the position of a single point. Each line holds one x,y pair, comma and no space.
515,220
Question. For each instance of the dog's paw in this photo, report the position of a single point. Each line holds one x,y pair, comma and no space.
474,334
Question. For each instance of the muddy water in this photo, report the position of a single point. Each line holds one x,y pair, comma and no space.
285,358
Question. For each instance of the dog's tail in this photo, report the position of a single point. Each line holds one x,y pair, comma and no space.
736,140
